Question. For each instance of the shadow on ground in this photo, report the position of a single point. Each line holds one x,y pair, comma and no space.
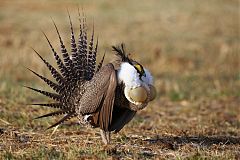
172,142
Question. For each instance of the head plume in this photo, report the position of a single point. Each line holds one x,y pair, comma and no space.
120,52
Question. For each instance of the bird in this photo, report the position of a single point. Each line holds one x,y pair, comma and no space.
101,96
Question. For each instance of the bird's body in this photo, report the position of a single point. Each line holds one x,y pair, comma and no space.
106,96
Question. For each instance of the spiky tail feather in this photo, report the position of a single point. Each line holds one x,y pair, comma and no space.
81,67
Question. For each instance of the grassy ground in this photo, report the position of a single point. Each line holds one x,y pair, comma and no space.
191,47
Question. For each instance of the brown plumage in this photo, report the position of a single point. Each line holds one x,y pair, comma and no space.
94,94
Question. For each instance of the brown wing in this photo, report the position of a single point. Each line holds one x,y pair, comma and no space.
121,116
99,96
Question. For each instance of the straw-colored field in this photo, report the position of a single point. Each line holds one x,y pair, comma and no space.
191,47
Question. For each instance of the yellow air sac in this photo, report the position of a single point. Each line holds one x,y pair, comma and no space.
153,92
138,94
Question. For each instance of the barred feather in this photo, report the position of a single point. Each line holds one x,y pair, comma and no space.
100,64
82,47
58,77
95,55
73,49
52,105
59,62
53,96
84,35
65,118
67,61
90,58
50,83
56,113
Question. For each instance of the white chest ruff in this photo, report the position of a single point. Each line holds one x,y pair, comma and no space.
128,75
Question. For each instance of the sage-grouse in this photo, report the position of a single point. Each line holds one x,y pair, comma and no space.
100,96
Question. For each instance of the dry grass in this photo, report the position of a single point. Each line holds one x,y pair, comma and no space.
191,47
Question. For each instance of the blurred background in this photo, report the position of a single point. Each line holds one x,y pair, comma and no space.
191,47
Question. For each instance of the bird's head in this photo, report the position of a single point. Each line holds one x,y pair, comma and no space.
137,80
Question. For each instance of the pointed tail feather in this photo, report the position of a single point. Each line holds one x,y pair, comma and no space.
73,48
82,52
48,94
53,71
66,58
91,58
52,105
95,54
65,118
56,113
63,69
50,83
101,63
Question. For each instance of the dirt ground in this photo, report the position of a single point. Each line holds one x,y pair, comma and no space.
192,48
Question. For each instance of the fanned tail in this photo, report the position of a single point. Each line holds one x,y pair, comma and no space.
75,68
